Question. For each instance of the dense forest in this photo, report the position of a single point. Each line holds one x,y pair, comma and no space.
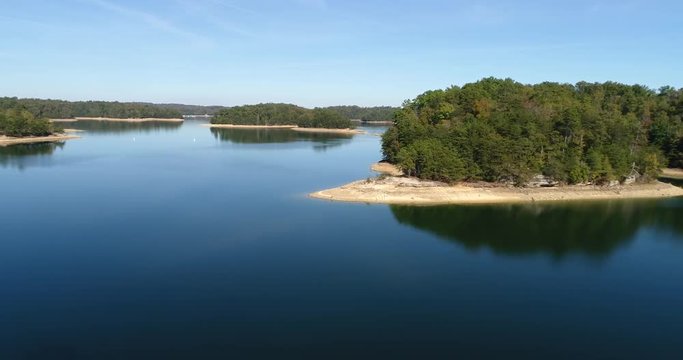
18,122
502,130
56,109
377,113
281,114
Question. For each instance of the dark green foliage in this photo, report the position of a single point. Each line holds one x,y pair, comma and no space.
324,118
260,114
18,122
431,159
281,114
378,113
190,109
55,109
501,130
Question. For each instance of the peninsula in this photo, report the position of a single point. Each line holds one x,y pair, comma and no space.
19,126
9,140
497,140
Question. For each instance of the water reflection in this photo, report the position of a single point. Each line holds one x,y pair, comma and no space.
24,155
117,127
320,141
591,229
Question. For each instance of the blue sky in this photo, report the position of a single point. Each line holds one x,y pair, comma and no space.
325,52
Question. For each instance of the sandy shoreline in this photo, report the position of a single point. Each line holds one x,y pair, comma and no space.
672,173
7,140
386,168
232,126
117,119
346,131
411,191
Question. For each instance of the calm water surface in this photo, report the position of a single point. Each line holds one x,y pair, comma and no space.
179,241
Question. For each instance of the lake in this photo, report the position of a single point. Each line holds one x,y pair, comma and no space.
164,240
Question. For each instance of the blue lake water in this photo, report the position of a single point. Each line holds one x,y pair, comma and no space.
179,241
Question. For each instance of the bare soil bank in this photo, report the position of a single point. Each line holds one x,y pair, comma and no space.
7,140
332,131
672,173
404,190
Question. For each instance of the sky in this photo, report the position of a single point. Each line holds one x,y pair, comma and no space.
326,52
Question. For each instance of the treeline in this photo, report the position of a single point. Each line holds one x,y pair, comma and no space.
377,113
502,130
18,122
281,114
55,109
190,109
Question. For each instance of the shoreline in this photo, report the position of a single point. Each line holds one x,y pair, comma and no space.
346,131
8,140
133,120
233,126
672,174
398,190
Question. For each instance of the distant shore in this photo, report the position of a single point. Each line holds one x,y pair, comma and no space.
134,120
233,126
411,191
373,122
8,140
346,131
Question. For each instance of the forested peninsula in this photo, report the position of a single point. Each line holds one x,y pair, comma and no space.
266,115
501,134
19,125
504,131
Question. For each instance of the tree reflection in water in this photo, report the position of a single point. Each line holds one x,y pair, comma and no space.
319,141
593,229
25,155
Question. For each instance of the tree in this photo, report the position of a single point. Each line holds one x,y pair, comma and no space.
501,130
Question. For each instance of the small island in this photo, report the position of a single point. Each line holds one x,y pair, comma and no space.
284,116
19,126
502,141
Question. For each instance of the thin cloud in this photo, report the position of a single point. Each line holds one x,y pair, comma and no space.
153,21
316,4
207,12
231,5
